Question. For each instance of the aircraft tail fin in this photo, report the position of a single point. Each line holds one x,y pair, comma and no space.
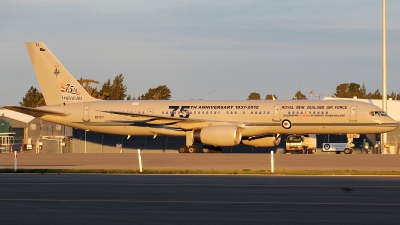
57,84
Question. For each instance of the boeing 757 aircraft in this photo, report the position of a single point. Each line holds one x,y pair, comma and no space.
212,123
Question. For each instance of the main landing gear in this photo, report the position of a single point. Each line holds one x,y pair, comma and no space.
195,149
188,149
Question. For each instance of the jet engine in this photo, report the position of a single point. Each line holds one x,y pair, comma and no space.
264,141
224,135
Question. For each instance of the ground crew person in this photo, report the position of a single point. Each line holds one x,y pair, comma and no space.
366,147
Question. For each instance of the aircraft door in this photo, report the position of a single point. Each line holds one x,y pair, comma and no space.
353,114
277,113
86,110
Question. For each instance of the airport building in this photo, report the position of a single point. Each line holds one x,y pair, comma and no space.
22,132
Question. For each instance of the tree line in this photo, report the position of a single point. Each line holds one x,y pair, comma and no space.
116,90
344,90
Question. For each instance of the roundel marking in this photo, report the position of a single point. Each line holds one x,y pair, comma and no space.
286,124
327,146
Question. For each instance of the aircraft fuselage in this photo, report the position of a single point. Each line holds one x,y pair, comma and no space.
255,117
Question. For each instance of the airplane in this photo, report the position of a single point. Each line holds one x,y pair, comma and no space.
212,123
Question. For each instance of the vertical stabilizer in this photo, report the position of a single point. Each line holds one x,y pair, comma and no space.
57,84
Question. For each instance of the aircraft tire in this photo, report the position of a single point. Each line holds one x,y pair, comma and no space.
348,151
206,150
183,149
193,149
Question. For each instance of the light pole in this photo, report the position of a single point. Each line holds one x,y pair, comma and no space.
208,94
384,71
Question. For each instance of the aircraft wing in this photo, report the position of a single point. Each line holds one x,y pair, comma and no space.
36,112
181,122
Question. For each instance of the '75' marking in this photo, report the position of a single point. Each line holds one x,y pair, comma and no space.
183,112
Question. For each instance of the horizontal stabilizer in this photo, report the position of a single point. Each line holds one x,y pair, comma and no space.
36,112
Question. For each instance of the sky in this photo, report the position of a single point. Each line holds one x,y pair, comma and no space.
223,50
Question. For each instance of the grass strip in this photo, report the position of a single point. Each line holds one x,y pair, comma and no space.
222,172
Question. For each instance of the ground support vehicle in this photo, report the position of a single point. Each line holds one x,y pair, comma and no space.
301,144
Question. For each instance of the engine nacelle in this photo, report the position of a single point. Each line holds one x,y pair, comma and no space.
224,135
262,142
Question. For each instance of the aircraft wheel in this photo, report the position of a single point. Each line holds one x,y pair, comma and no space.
348,151
206,150
193,149
183,149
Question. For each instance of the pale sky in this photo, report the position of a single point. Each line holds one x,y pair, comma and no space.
195,47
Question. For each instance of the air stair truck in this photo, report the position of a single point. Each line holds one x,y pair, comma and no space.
301,144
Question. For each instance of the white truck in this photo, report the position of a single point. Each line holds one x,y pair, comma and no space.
302,144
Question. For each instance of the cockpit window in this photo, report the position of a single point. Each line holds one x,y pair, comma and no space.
383,113
378,113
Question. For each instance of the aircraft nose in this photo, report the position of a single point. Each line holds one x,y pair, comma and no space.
390,122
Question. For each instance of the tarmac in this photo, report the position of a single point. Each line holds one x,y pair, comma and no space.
197,199
224,161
